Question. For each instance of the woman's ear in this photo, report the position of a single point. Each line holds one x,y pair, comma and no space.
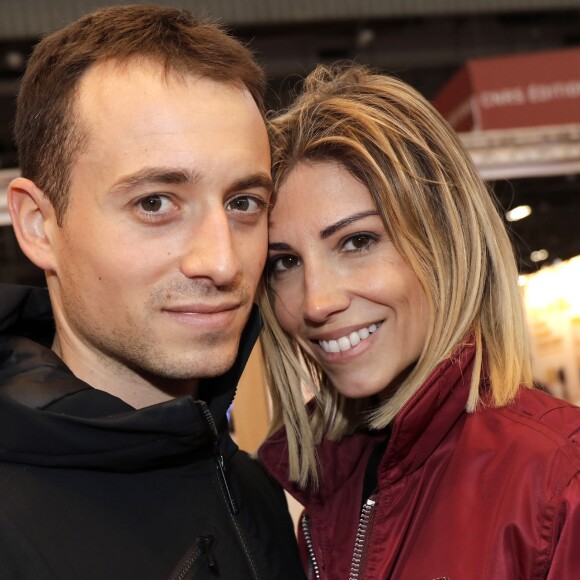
33,219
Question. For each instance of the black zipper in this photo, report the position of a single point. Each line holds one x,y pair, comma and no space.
226,490
203,547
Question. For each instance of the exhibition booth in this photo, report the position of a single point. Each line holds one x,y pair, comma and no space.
519,117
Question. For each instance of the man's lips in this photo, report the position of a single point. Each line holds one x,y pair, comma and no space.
204,317
197,308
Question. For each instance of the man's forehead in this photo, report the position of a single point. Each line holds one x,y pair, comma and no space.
124,69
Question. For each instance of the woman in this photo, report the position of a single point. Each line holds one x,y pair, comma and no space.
391,295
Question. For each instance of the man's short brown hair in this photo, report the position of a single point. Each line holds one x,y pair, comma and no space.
48,136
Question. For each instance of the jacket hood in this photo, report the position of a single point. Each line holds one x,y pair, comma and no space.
49,417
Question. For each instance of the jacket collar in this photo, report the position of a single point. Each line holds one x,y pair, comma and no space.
26,311
219,392
427,417
415,434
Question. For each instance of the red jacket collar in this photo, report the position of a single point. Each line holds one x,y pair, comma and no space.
416,432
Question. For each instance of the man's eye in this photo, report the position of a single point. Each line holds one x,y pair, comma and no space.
245,204
358,242
152,203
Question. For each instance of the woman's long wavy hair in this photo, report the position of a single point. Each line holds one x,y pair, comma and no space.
443,221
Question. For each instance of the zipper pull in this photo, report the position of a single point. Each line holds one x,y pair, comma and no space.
206,543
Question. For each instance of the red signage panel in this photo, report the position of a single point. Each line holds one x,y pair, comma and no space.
525,90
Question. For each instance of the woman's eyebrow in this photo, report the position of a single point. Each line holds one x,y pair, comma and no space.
279,246
328,231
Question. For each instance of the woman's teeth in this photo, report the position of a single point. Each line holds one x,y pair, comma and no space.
347,342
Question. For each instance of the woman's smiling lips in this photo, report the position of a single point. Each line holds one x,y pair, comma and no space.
347,339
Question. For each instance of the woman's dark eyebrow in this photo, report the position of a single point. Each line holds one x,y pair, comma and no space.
278,246
328,231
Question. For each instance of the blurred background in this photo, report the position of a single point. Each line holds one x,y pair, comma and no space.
505,73
423,42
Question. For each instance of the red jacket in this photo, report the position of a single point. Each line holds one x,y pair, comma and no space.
490,495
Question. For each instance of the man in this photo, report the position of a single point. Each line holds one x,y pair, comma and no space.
144,192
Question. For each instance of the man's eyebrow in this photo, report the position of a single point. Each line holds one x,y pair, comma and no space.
331,229
260,179
148,175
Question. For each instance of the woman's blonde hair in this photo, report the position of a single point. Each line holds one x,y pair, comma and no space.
443,221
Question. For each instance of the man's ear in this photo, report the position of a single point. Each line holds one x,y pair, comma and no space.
34,221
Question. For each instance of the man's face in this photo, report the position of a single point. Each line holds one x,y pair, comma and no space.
165,235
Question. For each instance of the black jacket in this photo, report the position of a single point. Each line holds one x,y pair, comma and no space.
91,488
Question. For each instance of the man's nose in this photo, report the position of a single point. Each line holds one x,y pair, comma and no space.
211,252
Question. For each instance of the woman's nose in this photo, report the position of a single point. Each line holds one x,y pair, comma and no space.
324,296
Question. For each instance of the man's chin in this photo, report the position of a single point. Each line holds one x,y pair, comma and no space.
182,378
205,364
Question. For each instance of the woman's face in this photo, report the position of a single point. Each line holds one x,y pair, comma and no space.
340,287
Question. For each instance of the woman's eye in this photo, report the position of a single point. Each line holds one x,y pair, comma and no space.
283,264
245,204
358,242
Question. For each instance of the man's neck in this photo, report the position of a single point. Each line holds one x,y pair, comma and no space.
117,379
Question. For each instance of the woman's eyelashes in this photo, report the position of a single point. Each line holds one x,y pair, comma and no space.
278,265
359,242
352,244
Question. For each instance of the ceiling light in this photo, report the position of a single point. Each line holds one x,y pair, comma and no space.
14,60
539,255
518,213
364,38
